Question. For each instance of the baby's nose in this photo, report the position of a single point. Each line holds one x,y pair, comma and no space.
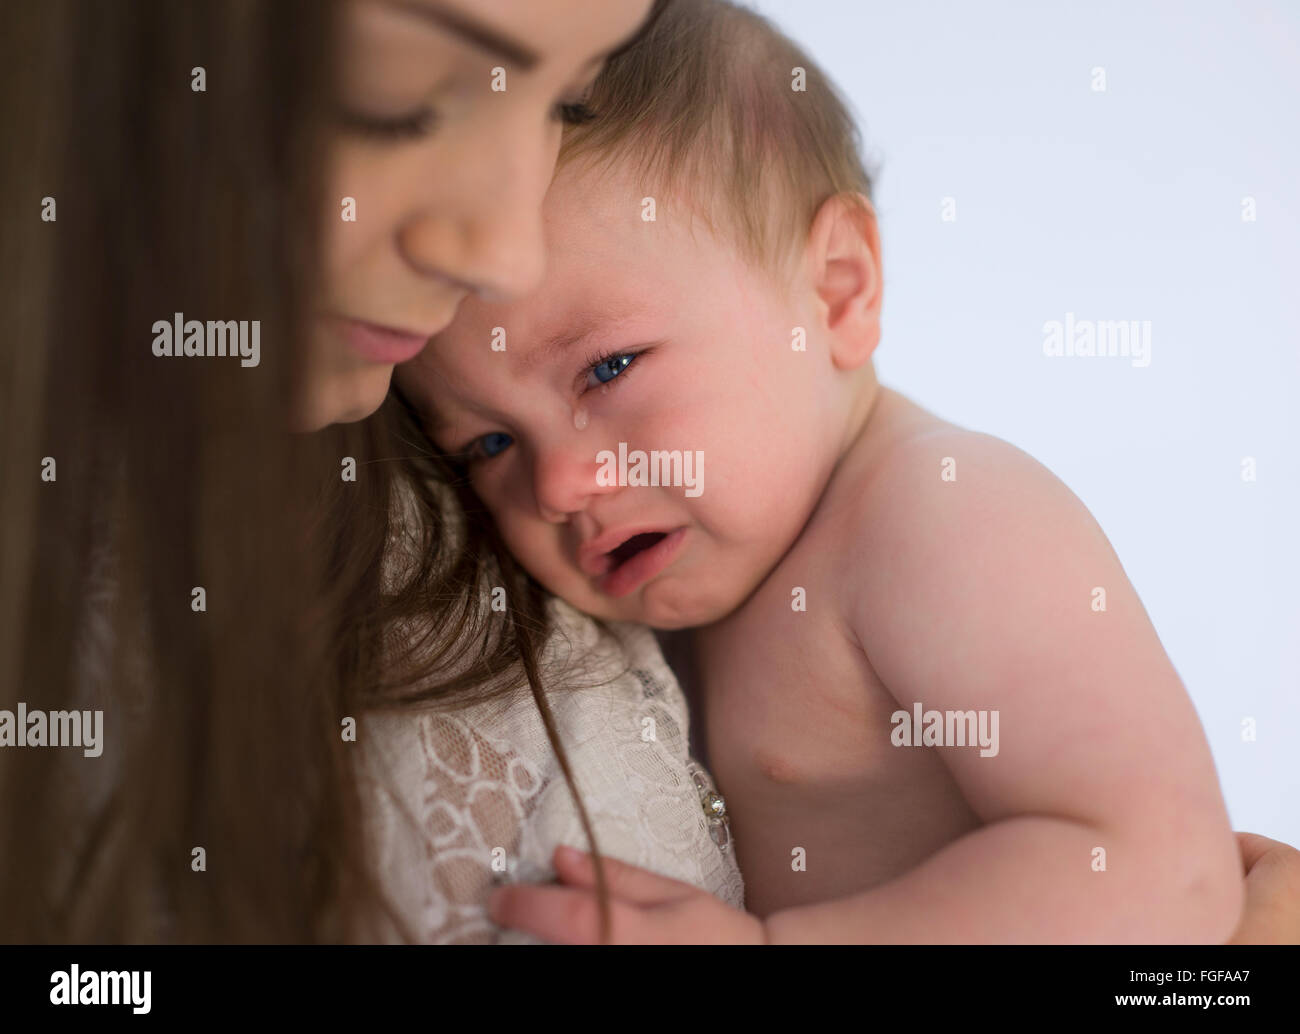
564,480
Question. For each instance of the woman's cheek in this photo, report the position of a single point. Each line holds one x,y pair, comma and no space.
341,239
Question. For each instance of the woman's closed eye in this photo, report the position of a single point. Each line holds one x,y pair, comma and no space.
422,121
416,124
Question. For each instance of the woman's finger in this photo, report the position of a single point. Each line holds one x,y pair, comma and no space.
626,882
1272,909
1253,847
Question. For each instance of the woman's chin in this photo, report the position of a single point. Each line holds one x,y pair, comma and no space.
342,398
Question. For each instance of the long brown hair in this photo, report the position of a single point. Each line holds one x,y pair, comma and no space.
130,481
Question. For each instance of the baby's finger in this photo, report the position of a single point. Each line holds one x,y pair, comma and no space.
563,915
626,882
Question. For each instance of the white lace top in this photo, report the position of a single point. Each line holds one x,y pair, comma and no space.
466,799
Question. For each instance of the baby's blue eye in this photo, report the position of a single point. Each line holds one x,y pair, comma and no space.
606,370
495,443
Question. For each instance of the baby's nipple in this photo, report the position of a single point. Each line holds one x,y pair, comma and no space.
580,418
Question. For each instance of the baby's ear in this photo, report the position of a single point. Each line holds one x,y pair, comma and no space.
844,259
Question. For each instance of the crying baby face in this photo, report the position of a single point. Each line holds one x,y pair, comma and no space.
586,414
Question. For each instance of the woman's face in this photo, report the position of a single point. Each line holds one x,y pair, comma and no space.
449,120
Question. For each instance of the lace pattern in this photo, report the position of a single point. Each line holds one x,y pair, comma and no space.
467,799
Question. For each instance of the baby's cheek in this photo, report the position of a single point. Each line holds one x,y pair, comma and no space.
753,517
532,543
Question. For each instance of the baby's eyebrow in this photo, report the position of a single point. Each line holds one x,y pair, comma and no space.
577,330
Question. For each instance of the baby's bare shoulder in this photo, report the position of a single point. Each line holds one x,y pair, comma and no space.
938,499
925,470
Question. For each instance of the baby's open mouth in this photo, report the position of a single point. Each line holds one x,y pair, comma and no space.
635,561
633,546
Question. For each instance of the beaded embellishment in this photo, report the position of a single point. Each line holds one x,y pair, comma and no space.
715,811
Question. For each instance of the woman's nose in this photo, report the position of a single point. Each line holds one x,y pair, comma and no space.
565,481
488,234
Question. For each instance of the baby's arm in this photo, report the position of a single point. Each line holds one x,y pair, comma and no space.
980,593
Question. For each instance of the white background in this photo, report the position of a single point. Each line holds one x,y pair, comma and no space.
1119,205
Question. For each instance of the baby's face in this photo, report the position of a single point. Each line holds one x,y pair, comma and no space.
644,337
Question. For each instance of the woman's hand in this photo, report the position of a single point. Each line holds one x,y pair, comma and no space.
645,908
1272,911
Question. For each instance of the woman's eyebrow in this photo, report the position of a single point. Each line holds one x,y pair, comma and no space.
463,25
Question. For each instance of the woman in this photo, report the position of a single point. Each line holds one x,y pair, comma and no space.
219,580
171,555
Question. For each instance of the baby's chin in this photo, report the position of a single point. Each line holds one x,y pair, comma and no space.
667,604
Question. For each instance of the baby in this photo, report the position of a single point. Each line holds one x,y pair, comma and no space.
931,698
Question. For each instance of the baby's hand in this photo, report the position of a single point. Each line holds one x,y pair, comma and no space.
645,908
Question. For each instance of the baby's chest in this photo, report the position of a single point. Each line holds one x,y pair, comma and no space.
788,700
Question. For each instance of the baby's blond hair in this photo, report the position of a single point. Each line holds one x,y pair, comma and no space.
707,106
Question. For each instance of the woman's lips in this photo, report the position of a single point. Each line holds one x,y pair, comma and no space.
381,344
640,568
